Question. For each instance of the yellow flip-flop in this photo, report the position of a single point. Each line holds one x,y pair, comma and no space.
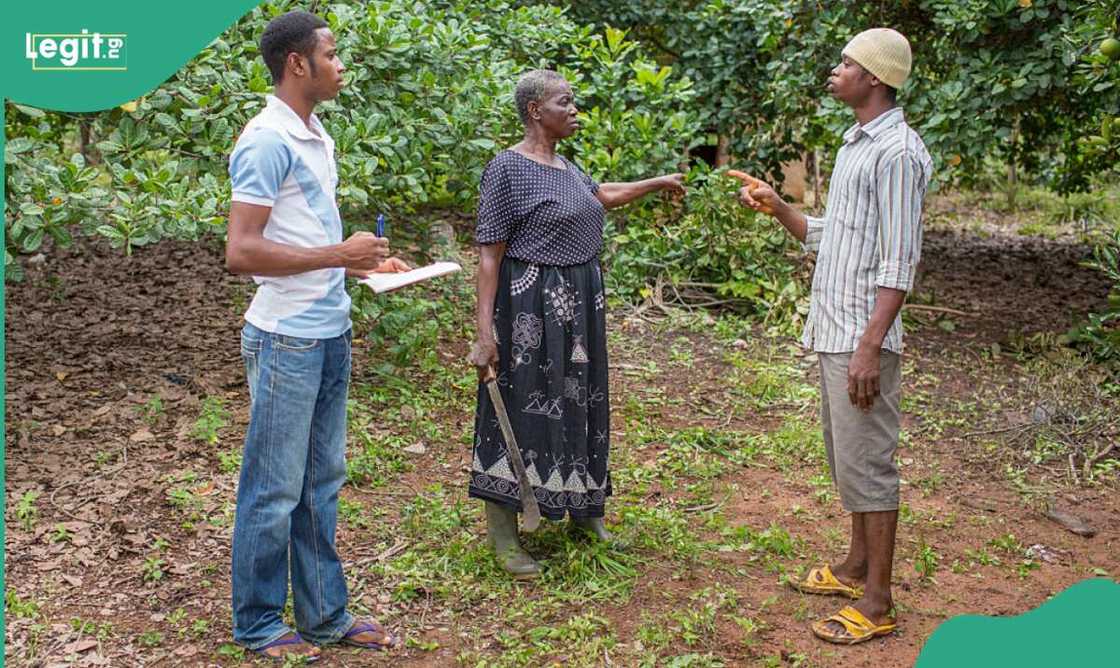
859,628
822,581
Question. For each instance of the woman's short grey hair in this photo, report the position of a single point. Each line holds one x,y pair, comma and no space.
533,86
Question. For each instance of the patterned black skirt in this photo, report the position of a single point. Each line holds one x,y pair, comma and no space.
550,325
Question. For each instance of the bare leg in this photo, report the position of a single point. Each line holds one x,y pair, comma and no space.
879,533
853,570
880,527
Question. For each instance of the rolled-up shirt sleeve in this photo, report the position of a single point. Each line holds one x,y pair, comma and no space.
814,229
900,230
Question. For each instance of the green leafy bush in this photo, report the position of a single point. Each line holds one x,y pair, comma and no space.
1100,333
427,104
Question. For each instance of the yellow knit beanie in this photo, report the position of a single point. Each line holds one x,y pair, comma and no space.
884,53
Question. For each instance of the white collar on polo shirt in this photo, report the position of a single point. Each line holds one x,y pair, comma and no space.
292,123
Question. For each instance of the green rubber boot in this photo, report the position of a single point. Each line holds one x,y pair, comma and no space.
501,532
593,526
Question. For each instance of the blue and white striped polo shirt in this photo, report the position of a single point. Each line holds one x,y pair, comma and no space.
278,162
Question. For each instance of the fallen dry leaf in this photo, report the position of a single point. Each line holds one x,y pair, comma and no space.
143,434
79,646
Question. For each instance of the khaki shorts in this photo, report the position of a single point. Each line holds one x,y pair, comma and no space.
860,445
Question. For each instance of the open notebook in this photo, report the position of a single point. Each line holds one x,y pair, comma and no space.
386,282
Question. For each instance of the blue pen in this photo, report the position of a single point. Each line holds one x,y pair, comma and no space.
381,225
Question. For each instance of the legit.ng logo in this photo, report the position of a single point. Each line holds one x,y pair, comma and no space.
77,51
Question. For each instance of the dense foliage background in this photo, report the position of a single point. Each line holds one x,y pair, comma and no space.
1003,92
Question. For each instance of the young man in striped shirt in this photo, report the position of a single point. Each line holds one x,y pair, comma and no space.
868,245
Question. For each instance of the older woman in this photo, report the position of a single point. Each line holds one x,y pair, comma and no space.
542,325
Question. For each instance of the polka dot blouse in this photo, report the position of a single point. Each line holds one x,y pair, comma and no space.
546,215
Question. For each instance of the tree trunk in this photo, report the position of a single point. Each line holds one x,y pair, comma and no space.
723,153
1012,172
85,132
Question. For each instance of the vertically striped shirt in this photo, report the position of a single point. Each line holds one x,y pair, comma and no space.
871,232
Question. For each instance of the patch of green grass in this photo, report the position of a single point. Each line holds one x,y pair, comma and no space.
1045,448
353,513
751,628
772,545
197,629
579,641
378,461
693,624
18,608
1040,228
796,441
229,461
579,569
26,512
926,561
447,559
680,353
764,383
1049,213
659,530
102,631
61,534
693,660
183,499
423,645
1008,544
153,569
689,453
906,514
101,458
823,490
152,410
212,417
981,557
1025,566
932,482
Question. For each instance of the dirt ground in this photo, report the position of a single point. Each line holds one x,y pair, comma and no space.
98,475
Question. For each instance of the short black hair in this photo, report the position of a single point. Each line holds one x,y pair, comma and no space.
288,33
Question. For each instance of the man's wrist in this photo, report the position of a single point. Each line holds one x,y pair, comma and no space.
785,213
332,257
870,343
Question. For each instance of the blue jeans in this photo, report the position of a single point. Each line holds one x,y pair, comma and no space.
287,499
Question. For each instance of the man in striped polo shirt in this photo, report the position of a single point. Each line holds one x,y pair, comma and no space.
285,230
868,245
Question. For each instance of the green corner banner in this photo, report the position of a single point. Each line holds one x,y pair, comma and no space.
1072,629
88,56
